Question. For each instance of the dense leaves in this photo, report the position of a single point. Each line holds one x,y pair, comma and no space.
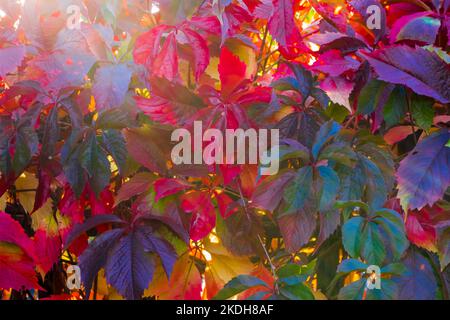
88,111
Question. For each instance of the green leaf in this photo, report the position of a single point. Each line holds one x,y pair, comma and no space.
330,187
391,223
298,190
376,238
349,265
113,119
351,235
355,291
353,205
337,112
394,268
70,156
422,111
238,285
297,292
395,107
373,96
291,274
326,131
95,162
373,249
114,143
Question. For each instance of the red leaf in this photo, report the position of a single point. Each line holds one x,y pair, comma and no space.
397,134
147,45
17,256
166,63
71,206
200,51
224,202
203,214
231,71
165,187
138,184
420,229
48,250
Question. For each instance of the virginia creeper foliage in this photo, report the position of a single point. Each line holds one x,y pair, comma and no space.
89,98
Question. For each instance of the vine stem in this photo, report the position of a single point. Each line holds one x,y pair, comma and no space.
411,120
269,259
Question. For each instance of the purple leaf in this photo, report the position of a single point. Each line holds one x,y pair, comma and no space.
336,40
153,243
10,59
95,256
412,67
281,24
111,85
424,175
418,282
297,228
419,26
269,192
129,268
91,223
334,64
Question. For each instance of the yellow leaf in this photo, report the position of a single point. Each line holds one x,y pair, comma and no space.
27,181
43,219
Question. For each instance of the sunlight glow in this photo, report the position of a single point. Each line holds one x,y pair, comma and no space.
155,8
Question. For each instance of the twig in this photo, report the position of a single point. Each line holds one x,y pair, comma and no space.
269,259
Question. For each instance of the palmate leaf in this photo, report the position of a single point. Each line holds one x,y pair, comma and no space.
128,268
358,290
377,238
127,256
423,176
